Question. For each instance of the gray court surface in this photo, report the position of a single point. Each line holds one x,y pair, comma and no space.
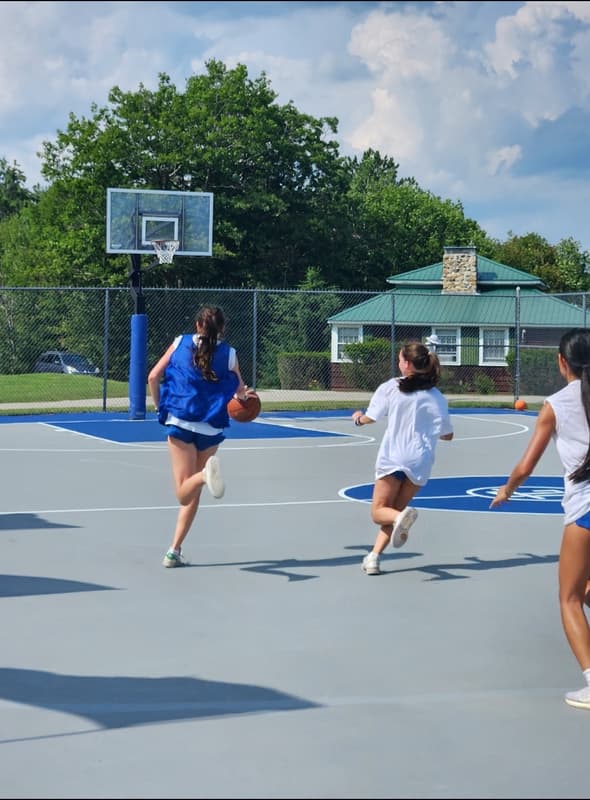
273,667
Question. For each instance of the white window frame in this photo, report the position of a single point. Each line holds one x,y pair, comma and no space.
504,335
338,341
443,350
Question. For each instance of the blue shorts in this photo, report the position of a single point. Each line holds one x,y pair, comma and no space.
584,521
200,440
399,474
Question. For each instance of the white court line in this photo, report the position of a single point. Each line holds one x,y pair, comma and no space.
520,428
171,508
351,439
130,447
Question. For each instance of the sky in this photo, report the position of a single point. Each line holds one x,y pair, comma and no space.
483,103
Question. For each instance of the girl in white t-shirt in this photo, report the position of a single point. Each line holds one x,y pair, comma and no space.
564,418
417,417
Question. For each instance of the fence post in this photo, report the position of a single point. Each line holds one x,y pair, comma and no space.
517,348
392,335
105,349
254,337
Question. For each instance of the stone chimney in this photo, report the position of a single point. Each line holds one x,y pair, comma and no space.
459,275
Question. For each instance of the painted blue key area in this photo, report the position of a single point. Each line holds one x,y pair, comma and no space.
538,495
116,427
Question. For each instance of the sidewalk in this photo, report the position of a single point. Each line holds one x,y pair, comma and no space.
268,396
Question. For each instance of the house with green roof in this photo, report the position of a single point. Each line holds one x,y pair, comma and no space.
478,311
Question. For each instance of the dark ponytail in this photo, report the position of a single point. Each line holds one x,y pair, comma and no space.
574,348
211,325
425,368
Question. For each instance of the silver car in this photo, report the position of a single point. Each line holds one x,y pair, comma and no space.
65,362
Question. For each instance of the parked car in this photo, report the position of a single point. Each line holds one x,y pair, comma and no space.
65,362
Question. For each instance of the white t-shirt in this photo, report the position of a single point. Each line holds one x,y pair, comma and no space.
415,423
199,427
571,440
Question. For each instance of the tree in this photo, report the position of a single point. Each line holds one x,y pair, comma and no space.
397,226
572,267
531,253
264,163
13,193
562,267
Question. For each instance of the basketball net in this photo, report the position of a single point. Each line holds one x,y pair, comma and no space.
165,249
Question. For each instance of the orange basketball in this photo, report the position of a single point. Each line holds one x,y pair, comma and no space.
519,405
244,410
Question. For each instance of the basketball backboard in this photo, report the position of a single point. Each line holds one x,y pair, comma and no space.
137,217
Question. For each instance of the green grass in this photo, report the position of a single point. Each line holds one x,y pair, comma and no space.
40,387
47,387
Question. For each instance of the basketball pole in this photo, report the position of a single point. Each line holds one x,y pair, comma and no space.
138,349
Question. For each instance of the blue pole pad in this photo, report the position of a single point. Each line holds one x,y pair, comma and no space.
138,366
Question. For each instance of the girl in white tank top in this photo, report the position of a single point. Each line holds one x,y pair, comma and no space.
565,419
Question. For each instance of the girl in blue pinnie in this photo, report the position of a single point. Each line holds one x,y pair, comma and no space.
191,386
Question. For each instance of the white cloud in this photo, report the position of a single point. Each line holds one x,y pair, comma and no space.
389,128
453,92
401,45
503,158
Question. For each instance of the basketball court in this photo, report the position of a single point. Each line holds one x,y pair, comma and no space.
272,666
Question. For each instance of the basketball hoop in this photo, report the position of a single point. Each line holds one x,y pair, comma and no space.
165,249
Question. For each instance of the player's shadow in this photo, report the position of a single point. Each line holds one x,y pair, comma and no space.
285,566
122,702
28,585
22,522
444,572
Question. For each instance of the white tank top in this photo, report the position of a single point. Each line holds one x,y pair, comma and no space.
571,440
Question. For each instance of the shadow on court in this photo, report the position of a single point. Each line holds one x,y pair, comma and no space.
27,585
283,567
443,572
22,522
122,702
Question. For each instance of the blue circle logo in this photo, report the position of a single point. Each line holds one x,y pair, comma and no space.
538,495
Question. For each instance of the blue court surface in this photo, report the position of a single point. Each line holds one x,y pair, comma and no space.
272,666
118,428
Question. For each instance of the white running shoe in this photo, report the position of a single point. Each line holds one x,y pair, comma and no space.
370,564
579,699
174,559
402,526
213,477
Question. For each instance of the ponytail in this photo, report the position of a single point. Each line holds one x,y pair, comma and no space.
211,325
574,348
425,368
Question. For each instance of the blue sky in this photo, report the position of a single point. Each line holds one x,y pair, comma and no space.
486,103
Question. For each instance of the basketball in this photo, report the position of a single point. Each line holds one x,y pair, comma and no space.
244,410
519,405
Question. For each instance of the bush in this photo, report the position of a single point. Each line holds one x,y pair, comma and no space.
538,371
369,365
450,383
304,370
484,383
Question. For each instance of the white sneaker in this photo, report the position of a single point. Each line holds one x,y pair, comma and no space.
402,526
174,559
213,477
370,564
579,699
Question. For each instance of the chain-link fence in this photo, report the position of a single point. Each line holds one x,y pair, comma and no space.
292,341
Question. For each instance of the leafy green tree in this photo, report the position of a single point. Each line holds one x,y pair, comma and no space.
264,163
572,267
13,192
397,226
562,267
284,198
59,241
531,253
